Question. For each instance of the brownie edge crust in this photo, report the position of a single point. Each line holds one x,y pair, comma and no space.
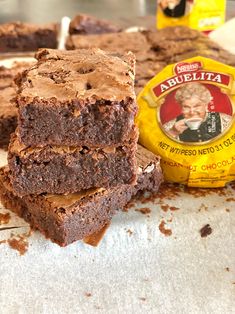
67,218
66,169
84,97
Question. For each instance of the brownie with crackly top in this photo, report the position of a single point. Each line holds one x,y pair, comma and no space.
19,36
69,169
84,24
77,98
118,42
68,218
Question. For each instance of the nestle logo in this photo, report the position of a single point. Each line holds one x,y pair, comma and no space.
187,67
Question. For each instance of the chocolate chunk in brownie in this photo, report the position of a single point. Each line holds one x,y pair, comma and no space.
83,24
83,97
67,218
18,36
63,169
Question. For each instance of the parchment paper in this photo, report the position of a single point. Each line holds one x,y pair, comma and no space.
136,268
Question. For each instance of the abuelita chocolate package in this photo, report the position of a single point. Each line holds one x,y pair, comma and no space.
186,115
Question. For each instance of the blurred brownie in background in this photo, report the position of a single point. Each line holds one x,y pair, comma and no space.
83,24
8,110
18,36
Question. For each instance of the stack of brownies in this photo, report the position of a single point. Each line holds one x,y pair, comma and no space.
73,158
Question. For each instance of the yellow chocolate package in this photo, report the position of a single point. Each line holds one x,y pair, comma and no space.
198,14
186,115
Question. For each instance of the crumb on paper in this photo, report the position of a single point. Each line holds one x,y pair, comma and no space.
203,207
165,207
205,231
130,232
227,210
230,199
142,299
227,269
143,210
200,192
88,294
173,208
4,218
19,243
166,232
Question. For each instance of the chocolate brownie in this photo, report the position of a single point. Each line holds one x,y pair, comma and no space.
83,97
18,36
153,49
173,44
8,115
147,69
117,42
63,169
8,110
67,218
83,24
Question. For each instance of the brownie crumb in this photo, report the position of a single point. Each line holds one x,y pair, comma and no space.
4,218
88,294
173,208
230,199
227,268
200,192
129,232
203,207
19,243
166,232
227,210
142,299
144,210
165,207
205,231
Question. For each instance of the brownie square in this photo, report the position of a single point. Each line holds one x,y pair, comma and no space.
63,169
67,218
83,24
8,115
174,44
8,110
77,98
18,36
122,42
